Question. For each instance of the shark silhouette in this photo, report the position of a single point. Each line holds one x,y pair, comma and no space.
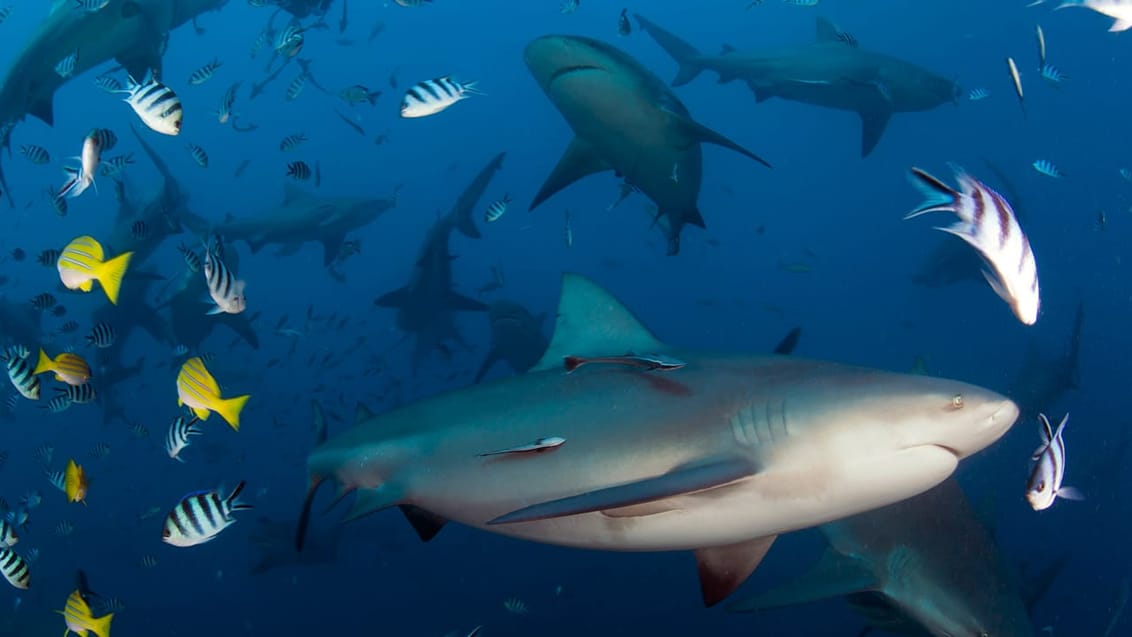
1042,381
718,457
625,120
832,72
516,337
923,566
131,32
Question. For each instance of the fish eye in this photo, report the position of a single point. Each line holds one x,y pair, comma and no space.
957,401
1041,487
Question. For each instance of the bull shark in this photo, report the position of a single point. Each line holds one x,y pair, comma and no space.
924,566
626,120
301,218
516,337
832,72
717,457
132,32
462,212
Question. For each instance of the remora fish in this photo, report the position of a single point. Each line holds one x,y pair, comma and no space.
719,457
626,120
827,72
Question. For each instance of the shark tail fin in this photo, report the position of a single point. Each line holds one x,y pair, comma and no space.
687,56
110,275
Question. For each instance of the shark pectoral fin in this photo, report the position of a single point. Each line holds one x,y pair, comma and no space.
579,160
370,500
396,298
700,133
43,109
460,303
362,414
426,524
330,246
873,122
676,482
833,576
724,568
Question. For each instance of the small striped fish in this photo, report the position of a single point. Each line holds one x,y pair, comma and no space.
101,335
108,83
225,289
80,394
148,561
178,437
978,94
64,529
295,88
43,301
157,105
1045,482
8,537
44,453
15,569
433,96
105,137
569,6
201,516
69,327
20,373
191,258
91,6
204,73
299,170
139,230
988,224
290,41
227,101
48,257
1051,74
35,154
100,450
497,209
291,142
67,367
114,166
65,68
198,155
58,404
1047,168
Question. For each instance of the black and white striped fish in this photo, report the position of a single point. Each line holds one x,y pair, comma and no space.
101,335
43,301
91,6
1045,482
201,516
204,73
80,394
139,230
191,258
291,142
227,101
295,88
497,209
8,537
178,436
105,137
290,41
299,170
48,257
58,404
198,155
225,289
157,105
20,373
432,96
108,83
65,68
114,166
15,569
35,154
988,224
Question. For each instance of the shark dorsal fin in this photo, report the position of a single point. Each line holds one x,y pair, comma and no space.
362,414
826,31
591,322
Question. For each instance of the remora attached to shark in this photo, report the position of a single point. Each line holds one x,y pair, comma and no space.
924,566
626,120
132,32
718,457
829,72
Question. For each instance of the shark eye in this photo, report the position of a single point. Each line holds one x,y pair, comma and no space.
957,401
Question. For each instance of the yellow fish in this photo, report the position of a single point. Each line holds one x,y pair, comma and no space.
197,389
74,482
81,621
69,368
82,262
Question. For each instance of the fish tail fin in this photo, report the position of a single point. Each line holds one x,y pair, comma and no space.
44,364
101,625
69,187
939,197
230,408
110,275
686,56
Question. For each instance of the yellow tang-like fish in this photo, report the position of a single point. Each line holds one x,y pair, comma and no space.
81,621
197,389
69,368
82,262
75,482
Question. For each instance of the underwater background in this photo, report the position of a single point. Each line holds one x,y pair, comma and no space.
817,242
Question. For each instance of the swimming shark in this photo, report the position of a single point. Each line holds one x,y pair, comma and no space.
923,566
274,541
516,337
1041,381
132,32
462,213
301,218
832,72
718,457
625,120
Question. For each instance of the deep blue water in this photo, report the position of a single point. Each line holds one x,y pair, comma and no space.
822,204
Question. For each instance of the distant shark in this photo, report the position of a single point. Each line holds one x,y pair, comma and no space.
274,541
924,566
516,337
1042,381
719,456
132,32
624,120
832,72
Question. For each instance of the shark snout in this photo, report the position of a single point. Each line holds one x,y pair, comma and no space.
991,416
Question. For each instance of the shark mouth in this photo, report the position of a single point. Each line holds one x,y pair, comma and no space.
569,70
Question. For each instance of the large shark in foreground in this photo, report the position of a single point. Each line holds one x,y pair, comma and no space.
924,566
625,120
717,457
131,32
832,72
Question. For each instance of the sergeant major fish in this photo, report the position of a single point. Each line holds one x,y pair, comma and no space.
1045,482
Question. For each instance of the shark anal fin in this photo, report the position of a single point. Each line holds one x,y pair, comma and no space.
579,160
762,93
834,575
873,122
700,133
724,568
426,524
676,482
370,500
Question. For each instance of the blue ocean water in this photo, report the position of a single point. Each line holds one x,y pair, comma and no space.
818,242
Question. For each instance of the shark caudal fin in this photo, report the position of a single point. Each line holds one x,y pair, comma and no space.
591,323
687,56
